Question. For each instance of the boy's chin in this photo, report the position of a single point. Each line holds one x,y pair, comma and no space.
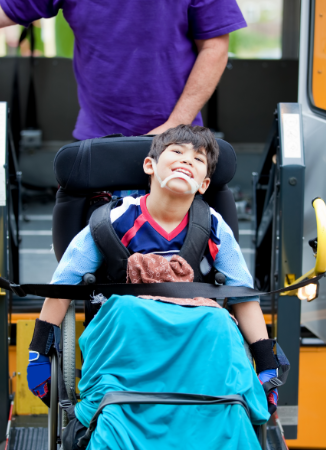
178,187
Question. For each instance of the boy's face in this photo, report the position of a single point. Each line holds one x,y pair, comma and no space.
181,158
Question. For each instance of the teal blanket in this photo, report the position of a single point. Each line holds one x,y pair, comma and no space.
144,345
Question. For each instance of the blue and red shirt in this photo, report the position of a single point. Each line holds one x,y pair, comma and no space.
140,233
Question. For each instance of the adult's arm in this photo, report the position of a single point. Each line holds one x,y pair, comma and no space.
4,19
202,81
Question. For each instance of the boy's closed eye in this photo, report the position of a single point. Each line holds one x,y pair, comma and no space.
198,158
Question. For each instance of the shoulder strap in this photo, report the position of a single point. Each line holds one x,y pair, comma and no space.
114,252
197,237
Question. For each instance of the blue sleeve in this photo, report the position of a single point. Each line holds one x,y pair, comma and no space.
230,261
212,18
24,12
82,256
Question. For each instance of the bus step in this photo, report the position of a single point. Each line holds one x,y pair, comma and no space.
28,438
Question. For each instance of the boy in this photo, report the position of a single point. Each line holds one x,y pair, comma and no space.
180,164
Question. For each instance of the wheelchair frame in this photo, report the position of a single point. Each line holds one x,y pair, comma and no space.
274,187
273,193
57,419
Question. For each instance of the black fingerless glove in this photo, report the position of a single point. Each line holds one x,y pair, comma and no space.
39,367
43,337
263,354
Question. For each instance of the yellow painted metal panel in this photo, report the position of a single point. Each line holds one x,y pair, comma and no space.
312,400
12,367
32,316
319,56
268,319
26,402
320,209
12,370
78,333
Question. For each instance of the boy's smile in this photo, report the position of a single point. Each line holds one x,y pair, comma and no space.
184,159
186,171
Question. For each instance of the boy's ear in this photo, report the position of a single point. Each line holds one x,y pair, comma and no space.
204,186
148,166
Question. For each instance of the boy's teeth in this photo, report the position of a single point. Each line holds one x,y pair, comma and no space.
183,171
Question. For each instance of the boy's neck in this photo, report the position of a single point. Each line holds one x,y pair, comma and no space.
167,209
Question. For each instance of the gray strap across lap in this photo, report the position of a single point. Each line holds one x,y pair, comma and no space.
166,398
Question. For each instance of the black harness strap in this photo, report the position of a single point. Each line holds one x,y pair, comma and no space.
166,398
116,255
198,233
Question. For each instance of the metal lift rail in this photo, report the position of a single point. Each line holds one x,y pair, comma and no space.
278,196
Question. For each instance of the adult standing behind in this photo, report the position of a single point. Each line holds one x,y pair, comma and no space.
141,66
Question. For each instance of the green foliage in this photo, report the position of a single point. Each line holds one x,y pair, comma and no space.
64,37
246,43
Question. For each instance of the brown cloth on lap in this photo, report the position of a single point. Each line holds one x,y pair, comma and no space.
153,268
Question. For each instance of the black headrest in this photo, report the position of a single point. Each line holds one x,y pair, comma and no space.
113,163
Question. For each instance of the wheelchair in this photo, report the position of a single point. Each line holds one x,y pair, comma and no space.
87,173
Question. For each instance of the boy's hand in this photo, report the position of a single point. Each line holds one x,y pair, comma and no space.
272,397
39,376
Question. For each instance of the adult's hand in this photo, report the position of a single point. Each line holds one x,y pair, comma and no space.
165,126
4,19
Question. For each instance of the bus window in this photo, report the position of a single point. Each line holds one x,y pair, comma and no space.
318,73
262,39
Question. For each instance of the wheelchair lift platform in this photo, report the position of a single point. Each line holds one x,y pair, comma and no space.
28,438
28,433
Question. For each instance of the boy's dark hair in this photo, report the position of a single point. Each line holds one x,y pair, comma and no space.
199,137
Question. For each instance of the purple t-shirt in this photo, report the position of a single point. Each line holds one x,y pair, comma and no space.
131,58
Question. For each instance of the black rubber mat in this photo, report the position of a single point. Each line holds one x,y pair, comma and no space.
28,438
37,438
274,439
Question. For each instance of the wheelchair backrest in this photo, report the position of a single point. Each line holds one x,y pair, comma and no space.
115,163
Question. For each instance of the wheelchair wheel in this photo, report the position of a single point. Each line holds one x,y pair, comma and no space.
68,352
53,410
262,433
